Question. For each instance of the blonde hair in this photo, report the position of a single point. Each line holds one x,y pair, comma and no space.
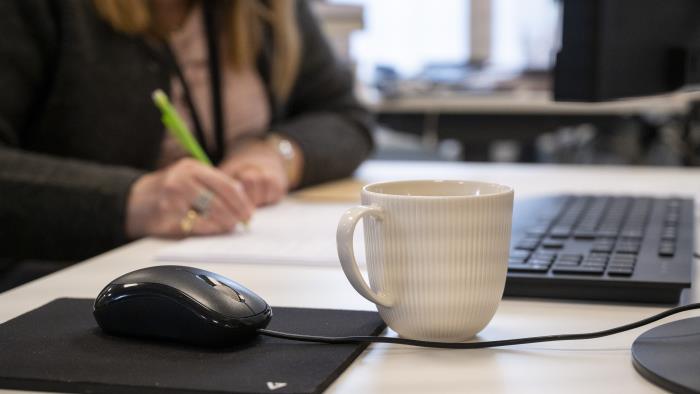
245,30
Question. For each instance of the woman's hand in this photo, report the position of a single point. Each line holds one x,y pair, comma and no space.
186,197
261,170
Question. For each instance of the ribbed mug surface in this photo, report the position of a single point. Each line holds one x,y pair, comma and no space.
442,258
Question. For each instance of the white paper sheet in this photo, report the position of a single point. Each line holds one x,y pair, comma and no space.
290,232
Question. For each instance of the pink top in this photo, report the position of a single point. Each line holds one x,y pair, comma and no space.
244,100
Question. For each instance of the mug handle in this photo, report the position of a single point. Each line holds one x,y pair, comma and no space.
346,229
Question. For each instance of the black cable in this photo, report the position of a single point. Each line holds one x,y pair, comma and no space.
480,345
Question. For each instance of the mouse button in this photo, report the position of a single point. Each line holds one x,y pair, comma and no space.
230,293
256,303
217,301
218,286
208,280
223,288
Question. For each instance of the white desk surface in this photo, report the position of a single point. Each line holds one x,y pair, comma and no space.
600,365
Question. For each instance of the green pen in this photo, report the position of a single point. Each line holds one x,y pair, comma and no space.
177,127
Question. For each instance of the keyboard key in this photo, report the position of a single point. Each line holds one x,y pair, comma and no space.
627,248
620,271
635,234
560,232
527,268
553,244
519,253
667,252
628,241
667,244
671,219
602,248
587,263
571,256
566,263
618,259
527,244
606,233
669,231
624,257
625,238
545,259
548,253
593,264
594,259
538,231
516,260
584,234
667,249
605,240
581,270
623,266
534,261
544,255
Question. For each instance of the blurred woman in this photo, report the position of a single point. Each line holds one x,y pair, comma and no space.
85,163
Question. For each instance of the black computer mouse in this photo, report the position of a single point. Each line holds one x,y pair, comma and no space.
182,304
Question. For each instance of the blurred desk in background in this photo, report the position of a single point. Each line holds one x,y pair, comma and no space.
529,103
479,119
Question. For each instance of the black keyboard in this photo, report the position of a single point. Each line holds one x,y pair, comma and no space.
613,248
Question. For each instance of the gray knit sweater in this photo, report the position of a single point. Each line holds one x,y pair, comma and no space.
77,127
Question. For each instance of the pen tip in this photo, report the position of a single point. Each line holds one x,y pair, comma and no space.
159,97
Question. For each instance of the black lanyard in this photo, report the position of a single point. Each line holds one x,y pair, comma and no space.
215,81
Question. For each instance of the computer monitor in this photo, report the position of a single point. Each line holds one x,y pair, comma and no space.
623,48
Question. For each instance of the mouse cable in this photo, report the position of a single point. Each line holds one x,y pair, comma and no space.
479,345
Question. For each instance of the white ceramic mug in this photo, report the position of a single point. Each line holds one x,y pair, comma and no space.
437,254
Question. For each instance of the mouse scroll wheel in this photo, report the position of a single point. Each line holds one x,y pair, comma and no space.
232,293
222,288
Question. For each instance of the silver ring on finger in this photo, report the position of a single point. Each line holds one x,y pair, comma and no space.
202,203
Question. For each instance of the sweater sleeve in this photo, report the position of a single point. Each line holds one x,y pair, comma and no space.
324,118
50,207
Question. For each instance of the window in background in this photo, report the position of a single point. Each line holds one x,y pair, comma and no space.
524,33
407,35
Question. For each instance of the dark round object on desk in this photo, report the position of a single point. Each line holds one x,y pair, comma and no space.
669,355
181,304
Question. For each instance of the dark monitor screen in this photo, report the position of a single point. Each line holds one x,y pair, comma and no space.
622,48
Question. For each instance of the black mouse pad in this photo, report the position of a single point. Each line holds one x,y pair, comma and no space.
59,347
